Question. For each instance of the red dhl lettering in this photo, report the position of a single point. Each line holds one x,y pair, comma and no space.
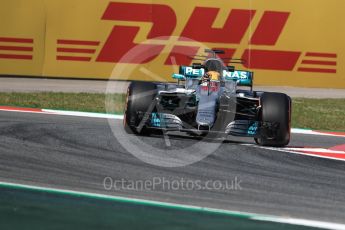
198,28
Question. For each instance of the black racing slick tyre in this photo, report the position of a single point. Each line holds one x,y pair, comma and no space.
276,108
139,99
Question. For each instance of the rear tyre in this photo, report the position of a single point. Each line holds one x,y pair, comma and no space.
276,108
139,97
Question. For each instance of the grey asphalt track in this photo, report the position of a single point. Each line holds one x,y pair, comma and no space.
78,153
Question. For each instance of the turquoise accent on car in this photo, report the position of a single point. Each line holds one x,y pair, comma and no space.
155,120
253,129
189,72
179,77
243,78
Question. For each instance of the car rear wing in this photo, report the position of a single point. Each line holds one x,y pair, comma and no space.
242,77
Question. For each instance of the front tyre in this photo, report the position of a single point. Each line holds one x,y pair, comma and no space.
276,108
140,96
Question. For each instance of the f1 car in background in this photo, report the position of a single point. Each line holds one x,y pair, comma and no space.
209,98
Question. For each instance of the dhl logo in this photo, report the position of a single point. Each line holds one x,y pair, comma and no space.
16,48
260,52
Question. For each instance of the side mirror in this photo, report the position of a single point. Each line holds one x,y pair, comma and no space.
197,66
179,77
231,68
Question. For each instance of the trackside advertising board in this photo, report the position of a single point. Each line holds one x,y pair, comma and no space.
290,43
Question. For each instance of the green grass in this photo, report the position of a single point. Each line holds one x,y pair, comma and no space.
86,102
320,114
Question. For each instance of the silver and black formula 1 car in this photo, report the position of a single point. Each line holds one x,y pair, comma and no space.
209,98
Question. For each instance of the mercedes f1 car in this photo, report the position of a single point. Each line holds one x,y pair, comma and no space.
209,98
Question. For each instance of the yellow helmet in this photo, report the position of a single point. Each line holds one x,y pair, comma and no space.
213,75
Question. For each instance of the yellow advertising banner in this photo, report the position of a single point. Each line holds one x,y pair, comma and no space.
290,43
22,37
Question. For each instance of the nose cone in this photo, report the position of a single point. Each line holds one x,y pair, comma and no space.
205,118
206,109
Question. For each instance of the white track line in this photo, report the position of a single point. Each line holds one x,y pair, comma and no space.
298,151
110,116
309,223
120,116
315,150
311,132
83,114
